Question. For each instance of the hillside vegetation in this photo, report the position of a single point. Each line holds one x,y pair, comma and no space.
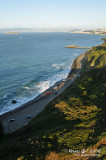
75,120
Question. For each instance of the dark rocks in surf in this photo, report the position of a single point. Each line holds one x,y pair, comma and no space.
14,101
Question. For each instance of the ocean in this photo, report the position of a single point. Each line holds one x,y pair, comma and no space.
32,62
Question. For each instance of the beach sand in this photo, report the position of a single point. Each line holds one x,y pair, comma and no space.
37,105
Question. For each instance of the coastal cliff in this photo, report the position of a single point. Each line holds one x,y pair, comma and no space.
70,125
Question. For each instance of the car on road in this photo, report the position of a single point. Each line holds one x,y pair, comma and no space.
29,117
11,120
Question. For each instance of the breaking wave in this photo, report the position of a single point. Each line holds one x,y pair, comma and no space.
29,92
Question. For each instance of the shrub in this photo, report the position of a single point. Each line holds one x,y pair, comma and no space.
52,156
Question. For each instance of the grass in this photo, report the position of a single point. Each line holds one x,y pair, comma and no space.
74,120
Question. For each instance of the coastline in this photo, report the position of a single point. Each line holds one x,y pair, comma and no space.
36,105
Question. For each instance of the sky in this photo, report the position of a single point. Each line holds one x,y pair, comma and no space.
52,13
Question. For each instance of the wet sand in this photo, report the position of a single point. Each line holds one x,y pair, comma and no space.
37,105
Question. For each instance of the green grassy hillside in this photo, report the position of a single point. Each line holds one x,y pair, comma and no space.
74,120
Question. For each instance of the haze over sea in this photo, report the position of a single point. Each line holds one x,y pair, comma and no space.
32,62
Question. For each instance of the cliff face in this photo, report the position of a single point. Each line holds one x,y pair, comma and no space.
96,57
75,120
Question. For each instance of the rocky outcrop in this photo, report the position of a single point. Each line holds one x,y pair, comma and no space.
75,46
14,101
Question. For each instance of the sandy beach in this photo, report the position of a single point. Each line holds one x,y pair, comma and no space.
21,115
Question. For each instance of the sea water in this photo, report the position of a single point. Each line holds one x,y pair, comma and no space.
32,62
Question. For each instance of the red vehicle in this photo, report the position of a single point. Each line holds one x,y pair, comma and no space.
48,92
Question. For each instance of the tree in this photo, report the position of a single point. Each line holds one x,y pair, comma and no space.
104,39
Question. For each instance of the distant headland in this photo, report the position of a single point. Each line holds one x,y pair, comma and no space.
100,31
95,31
11,33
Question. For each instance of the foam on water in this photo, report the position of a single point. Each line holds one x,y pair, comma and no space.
32,92
44,86
58,66
26,87
35,63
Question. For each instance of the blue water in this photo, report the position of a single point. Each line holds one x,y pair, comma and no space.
32,62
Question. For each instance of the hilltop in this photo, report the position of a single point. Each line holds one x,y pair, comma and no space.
75,120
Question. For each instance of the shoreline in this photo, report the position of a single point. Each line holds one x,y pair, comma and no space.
36,105
37,98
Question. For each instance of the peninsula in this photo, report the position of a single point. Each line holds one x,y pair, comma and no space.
100,31
75,46
11,33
